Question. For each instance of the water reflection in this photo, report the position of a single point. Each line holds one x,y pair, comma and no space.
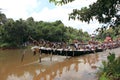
25,76
91,59
76,68
73,69
37,72
59,69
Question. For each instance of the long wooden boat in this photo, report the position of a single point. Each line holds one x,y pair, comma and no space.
66,52
74,50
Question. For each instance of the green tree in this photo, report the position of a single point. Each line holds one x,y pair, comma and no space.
3,18
14,33
102,10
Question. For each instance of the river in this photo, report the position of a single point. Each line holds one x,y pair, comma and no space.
83,67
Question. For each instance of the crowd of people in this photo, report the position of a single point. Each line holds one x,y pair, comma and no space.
108,43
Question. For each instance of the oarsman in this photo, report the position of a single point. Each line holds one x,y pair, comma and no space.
36,47
76,45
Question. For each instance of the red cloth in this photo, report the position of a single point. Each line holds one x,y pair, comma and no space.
107,39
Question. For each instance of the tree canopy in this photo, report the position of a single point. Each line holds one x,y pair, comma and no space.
102,10
16,33
105,11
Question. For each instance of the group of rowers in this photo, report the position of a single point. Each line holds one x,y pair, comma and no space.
76,46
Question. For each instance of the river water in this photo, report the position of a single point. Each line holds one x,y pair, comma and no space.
83,67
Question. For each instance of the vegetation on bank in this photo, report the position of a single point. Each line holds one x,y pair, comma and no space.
110,69
17,33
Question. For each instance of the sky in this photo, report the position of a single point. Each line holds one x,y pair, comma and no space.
43,10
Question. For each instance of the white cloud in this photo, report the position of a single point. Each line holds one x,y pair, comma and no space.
61,13
17,8
26,8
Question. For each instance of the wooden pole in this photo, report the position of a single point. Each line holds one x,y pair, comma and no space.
66,54
73,53
40,56
51,56
94,51
23,55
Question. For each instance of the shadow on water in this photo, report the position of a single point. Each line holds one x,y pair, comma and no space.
75,68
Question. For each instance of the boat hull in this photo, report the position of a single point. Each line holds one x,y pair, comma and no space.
69,52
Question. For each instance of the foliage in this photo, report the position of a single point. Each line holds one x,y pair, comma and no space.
61,2
14,32
17,33
2,18
103,77
114,33
105,11
8,45
102,10
111,68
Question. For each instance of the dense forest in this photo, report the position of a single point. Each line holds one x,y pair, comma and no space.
17,33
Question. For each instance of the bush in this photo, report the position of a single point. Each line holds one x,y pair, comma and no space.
111,68
8,45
